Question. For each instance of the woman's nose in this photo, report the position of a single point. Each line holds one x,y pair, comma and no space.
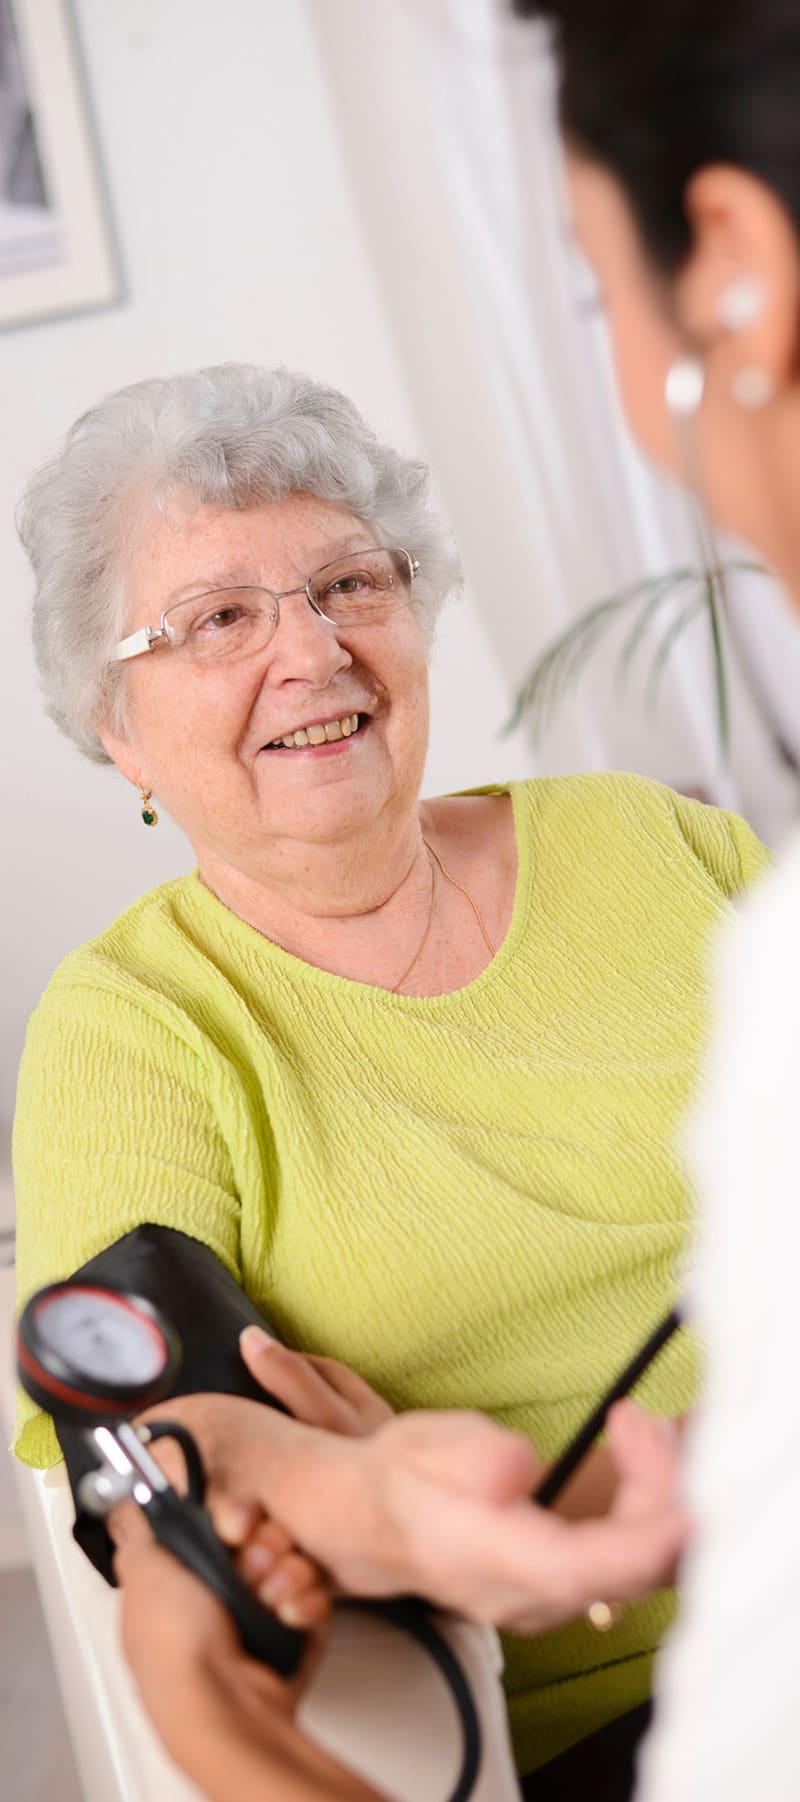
304,646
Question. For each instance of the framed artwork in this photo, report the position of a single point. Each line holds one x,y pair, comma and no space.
56,251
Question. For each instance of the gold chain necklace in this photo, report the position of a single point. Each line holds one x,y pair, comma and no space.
467,896
429,922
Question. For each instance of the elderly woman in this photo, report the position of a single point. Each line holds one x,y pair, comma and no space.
410,1069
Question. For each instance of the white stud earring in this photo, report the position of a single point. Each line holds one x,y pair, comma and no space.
683,389
752,387
741,303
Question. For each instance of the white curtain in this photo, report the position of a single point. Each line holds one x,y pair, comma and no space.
445,118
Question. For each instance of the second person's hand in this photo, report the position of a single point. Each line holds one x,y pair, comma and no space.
469,1533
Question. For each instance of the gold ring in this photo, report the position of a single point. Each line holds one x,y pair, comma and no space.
604,1615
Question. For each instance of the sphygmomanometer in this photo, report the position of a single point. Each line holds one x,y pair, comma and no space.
156,1315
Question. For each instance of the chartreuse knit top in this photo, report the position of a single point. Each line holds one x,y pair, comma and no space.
473,1198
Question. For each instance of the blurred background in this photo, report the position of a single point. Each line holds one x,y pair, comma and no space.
369,190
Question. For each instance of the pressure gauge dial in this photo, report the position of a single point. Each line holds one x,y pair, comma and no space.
86,1352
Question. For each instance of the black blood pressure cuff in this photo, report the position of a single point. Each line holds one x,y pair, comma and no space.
208,1310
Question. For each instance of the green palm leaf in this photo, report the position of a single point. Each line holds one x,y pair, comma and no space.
563,662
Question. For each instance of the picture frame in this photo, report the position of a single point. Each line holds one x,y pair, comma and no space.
56,248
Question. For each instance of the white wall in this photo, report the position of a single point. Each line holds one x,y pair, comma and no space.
238,239
507,356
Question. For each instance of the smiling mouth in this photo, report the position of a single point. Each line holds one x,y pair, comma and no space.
319,734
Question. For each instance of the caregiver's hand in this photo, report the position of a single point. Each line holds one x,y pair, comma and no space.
438,1504
173,1626
325,1393
320,1391
225,1719
641,1451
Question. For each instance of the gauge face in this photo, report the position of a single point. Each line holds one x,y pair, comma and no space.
88,1352
101,1337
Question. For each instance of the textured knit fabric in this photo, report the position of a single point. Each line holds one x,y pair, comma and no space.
471,1198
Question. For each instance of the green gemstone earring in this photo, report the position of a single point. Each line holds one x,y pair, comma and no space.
149,815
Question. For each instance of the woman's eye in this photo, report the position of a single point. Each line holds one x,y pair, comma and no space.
359,582
220,620
346,585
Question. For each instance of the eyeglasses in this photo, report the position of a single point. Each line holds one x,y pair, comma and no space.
361,589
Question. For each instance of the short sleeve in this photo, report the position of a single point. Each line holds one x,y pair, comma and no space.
115,1127
724,843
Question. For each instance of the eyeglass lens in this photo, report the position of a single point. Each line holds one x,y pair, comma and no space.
362,588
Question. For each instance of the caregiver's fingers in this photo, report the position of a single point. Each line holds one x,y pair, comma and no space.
623,1559
284,1579
235,1519
319,1391
368,1403
566,1565
128,1528
521,1567
645,1449
293,1586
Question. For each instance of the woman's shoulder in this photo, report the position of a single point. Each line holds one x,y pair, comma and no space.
591,794
639,801
592,799
130,950
613,811
624,823
120,1002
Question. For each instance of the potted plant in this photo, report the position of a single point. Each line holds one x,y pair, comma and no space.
637,613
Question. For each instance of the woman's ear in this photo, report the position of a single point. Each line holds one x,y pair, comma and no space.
123,755
737,297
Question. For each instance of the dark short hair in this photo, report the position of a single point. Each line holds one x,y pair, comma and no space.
656,92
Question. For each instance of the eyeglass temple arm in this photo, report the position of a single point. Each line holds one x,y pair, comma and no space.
133,646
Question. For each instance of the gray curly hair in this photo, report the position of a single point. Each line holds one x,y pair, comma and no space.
231,436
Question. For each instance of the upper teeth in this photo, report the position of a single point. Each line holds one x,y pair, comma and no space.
317,735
